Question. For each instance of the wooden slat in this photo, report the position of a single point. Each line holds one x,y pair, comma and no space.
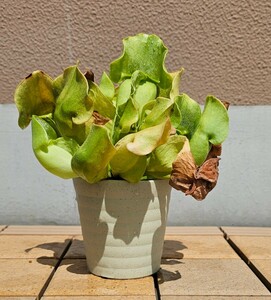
24,277
33,246
209,277
253,247
45,230
73,278
264,268
194,246
253,231
193,230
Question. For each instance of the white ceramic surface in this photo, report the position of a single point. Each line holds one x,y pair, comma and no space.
123,226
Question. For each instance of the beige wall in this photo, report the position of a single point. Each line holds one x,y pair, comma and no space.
225,46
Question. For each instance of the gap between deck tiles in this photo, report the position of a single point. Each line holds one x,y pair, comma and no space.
175,230
46,284
247,261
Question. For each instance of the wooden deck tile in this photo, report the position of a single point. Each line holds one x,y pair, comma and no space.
28,246
45,230
253,247
98,298
253,231
216,277
193,230
24,277
73,279
183,246
264,267
17,298
216,298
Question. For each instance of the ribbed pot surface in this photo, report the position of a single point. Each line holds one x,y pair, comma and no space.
123,225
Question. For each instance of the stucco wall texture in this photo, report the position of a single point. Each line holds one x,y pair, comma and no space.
224,46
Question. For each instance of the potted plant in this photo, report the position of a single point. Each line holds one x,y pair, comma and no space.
125,142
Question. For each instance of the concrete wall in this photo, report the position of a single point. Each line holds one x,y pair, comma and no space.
31,195
224,47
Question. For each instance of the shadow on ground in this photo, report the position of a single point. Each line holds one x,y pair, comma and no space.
71,253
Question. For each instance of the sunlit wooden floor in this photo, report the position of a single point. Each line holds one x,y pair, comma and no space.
48,262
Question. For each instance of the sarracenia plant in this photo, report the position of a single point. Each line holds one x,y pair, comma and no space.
133,125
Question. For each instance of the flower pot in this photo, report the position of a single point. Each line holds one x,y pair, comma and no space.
123,226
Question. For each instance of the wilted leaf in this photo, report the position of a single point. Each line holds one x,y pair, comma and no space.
183,169
89,76
193,180
209,170
99,119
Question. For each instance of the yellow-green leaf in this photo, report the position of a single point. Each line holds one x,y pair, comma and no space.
101,103
54,154
91,160
126,164
73,106
34,96
213,128
161,159
159,113
146,140
107,87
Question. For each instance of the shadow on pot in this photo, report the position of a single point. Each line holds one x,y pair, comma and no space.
123,226
131,219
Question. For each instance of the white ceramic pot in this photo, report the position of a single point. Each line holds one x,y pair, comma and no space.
123,225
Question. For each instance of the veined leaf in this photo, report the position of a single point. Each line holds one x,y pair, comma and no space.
126,164
34,96
91,160
101,103
190,114
135,173
145,53
124,92
128,118
54,154
107,87
161,159
213,128
73,105
159,112
176,79
146,140
145,92
58,85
